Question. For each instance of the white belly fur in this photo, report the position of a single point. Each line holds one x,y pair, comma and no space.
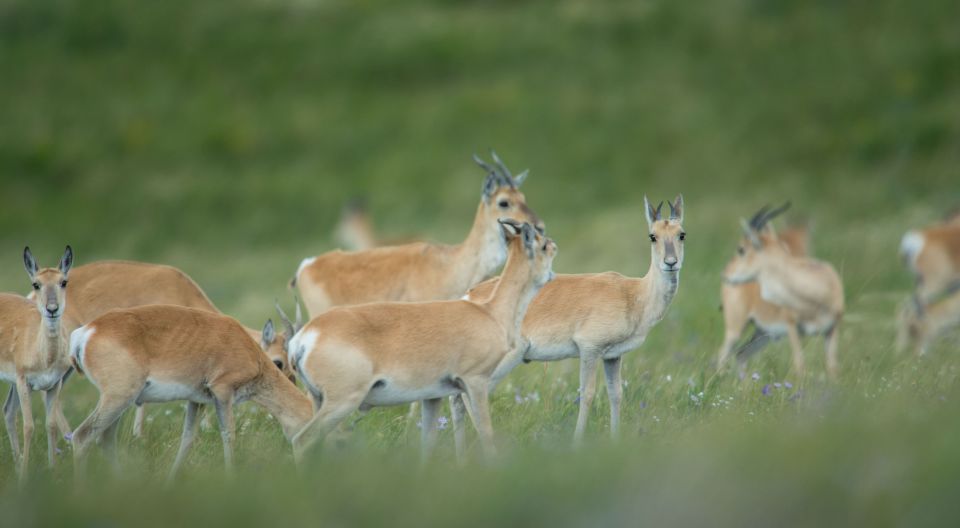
392,394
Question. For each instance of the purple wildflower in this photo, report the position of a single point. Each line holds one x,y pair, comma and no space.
517,398
788,385
643,405
766,389
68,436
442,422
777,385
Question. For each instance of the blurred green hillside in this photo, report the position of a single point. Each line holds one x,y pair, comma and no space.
224,137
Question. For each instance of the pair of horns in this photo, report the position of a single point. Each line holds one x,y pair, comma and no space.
501,170
764,215
291,328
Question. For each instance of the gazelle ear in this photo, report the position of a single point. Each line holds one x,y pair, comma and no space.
750,233
676,209
66,261
269,333
30,263
511,228
520,178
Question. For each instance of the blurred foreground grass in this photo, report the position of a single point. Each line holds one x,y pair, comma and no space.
223,137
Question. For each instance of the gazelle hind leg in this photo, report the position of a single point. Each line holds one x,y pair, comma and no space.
51,402
832,338
612,370
186,438
797,349
428,427
138,419
10,408
109,409
333,411
588,389
458,413
478,406
224,407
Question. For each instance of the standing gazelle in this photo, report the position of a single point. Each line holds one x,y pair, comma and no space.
599,317
743,304
810,290
420,271
357,357
933,257
163,353
33,353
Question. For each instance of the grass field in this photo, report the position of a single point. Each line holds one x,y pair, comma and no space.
223,138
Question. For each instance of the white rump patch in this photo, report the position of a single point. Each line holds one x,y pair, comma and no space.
911,246
304,263
78,343
300,347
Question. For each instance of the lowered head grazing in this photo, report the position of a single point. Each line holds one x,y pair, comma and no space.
539,249
666,234
49,284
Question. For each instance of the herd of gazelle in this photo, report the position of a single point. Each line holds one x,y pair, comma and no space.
412,323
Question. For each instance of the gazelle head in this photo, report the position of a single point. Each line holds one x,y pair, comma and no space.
290,329
49,284
759,240
666,234
502,197
539,249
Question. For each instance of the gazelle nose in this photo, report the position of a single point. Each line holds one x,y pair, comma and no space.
670,261
52,309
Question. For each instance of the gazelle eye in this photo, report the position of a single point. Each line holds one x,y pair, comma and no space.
741,251
63,283
653,238
504,204
36,286
683,236
278,363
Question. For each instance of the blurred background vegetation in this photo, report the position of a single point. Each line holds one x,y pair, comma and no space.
224,137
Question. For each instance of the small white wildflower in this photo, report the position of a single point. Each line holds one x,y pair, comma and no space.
669,377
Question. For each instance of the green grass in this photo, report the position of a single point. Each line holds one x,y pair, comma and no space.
223,137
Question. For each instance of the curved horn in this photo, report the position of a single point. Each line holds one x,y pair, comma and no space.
756,221
503,168
775,213
483,164
290,328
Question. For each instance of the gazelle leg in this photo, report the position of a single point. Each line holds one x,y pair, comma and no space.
186,438
428,426
611,370
478,405
138,419
10,408
50,403
333,411
23,391
224,408
797,348
109,409
62,422
832,338
588,389
458,412
109,444
730,339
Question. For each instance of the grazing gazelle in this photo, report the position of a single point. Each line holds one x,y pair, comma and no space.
419,271
933,257
599,317
163,353
378,354
33,353
742,304
810,290
99,287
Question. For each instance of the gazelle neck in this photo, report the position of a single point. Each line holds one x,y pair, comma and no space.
284,401
657,289
514,292
481,254
50,339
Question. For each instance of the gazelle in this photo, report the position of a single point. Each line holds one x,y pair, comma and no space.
599,317
163,353
742,304
33,353
420,271
99,287
358,357
933,257
809,290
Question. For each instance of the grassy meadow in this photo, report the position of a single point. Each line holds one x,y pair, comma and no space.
224,137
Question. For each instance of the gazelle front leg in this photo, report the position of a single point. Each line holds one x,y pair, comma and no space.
588,389
832,338
611,370
10,408
224,408
23,392
428,427
51,402
138,421
478,406
186,438
458,413
797,348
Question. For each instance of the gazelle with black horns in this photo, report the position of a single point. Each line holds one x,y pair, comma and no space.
420,271
379,354
599,317
33,354
810,290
